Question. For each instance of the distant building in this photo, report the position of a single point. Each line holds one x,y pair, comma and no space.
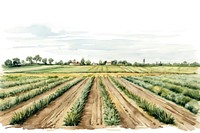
94,63
108,63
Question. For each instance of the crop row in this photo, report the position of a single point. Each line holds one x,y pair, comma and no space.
13,101
10,78
192,84
73,117
111,115
194,94
151,108
21,116
20,89
5,85
165,93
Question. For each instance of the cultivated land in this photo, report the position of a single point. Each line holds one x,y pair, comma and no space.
89,97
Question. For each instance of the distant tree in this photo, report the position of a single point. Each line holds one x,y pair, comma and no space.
37,58
23,62
50,60
160,64
8,63
100,62
44,60
88,62
194,64
16,61
70,61
114,62
29,59
136,64
104,63
60,62
143,61
124,62
82,62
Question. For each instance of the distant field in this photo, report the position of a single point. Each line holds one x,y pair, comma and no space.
100,69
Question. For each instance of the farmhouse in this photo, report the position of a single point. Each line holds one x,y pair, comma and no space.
108,63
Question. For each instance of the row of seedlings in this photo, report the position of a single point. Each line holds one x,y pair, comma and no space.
13,101
7,84
194,94
166,93
150,108
20,117
22,89
184,82
111,115
73,117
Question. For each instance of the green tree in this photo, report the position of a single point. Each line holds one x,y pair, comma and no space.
100,62
44,60
82,61
23,62
8,63
88,62
114,62
16,61
50,60
60,62
104,63
29,59
37,58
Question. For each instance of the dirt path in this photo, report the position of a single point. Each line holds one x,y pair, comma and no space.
184,119
131,116
93,115
53,115
5,116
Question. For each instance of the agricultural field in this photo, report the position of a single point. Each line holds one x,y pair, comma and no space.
100,69
98,101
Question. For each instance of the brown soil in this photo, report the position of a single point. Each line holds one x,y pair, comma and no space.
5,116
183,118
53,115
131,116
92,116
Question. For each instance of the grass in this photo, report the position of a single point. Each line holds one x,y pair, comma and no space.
150,108
73,117
20,117
111,115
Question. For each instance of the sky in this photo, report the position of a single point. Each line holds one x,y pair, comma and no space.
166,31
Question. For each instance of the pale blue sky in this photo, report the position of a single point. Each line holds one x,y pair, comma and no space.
131,30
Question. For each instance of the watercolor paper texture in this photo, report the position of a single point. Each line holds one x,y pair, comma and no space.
101,65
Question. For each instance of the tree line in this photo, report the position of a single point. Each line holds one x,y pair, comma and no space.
37,59
30,60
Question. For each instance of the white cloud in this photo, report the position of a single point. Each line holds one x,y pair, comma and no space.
165,30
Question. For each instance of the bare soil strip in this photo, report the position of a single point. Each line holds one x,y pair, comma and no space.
5,116
92,116
131,116
53,115
184,119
